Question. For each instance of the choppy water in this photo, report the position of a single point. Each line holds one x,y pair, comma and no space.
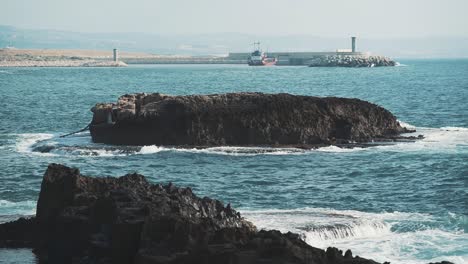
404,203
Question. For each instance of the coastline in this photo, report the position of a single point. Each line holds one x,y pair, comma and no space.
96,58
62,63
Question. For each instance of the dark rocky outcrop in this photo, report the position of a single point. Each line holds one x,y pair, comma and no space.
240,119
128,220
355,61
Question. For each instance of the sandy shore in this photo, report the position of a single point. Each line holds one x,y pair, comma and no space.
62,63
63,58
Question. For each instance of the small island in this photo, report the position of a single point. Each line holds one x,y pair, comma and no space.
241,119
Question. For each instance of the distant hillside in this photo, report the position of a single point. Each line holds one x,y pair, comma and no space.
223,43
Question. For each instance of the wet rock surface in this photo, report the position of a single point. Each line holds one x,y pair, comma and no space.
81,219
240,119
355,61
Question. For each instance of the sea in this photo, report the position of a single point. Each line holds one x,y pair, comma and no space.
403,202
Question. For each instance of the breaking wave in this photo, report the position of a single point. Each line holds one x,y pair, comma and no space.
26,142
9,209
406,125
395,237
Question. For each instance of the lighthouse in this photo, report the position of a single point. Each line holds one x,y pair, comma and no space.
116,55
353,44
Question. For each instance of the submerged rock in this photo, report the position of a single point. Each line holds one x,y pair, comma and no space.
240,119
81,219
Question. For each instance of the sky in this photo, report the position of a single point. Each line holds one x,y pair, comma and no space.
327,18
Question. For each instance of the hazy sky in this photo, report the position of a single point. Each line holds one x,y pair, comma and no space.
364,18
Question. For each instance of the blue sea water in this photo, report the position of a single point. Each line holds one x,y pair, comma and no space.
403,203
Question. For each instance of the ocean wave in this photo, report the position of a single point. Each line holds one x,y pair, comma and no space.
372,235
406,125
335,149
5,72
25,142
17,208
435,139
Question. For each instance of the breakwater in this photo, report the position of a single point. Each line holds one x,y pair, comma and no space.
351,61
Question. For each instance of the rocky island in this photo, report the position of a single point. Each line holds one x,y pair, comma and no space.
81,219
241,119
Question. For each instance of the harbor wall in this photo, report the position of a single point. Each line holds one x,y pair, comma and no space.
295,58
284,58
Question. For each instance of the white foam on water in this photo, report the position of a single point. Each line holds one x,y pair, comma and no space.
93,152
406,125
227,150
369,235
151,149
25,142
336,149
17,208
435,140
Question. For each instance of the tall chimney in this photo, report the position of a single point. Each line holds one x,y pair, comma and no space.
353,44
116,55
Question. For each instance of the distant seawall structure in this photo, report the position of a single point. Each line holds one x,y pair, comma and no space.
296,58
339,58
284,58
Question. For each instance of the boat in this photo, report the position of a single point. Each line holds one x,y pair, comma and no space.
259,58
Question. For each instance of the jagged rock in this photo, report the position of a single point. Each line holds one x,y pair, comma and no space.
240,119
128,220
